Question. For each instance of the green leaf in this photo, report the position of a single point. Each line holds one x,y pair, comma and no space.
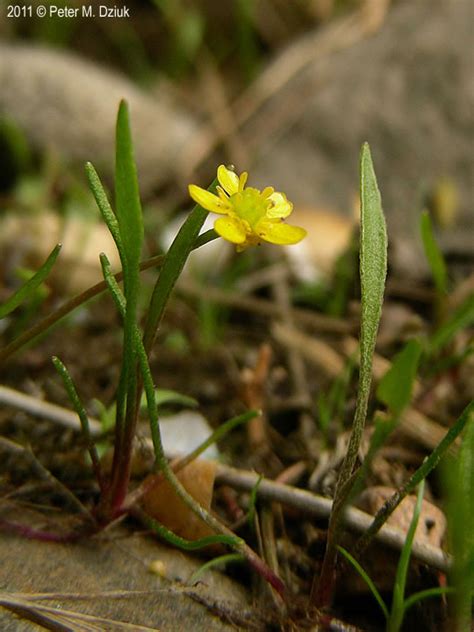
222,560
459,476
366,578
433,254
105,209
398,605
428,465
172,267
396,386
429,593
127,198
373,260
373,270
164,396
83,418
28,288
252,510
462,317
182,543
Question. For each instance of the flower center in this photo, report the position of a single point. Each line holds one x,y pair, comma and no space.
249,205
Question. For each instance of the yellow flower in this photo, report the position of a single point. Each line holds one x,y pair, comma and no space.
250,215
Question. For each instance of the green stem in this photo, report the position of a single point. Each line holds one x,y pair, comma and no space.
162,463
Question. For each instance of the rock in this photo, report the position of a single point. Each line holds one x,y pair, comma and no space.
409,91
93,568
68,104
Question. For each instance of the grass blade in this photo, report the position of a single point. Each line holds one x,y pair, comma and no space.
178,541
366,578
217,561
459,477
83,418
398,607
78,300
433,254
27,289
395,388
436,591
463,317
105,209
467,416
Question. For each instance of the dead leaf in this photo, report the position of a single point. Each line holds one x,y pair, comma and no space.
163,504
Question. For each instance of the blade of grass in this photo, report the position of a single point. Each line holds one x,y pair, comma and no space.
437,591
433,254
396,386
217,561
83,418
421,473
397,612
176,540
76,301
459,482
251,513
217,435
28,288
104,206
373,270
463,317
366,578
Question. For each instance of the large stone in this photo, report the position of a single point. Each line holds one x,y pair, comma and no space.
409,91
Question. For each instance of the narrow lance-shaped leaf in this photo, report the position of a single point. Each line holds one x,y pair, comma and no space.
27,289
373,270
172,267
104,206
127,198
130,225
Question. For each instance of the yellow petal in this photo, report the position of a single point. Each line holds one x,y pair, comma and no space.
280,206
231,228
228,180
222,194
243,180
267,192
208,200
279,233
